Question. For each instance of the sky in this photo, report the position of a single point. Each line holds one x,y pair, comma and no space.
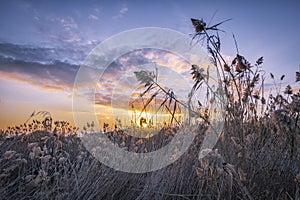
43,43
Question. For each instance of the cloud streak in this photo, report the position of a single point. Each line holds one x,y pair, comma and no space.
122,12
93,17
57,76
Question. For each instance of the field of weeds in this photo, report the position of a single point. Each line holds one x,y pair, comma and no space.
258,159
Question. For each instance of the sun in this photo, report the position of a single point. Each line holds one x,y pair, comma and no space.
143,121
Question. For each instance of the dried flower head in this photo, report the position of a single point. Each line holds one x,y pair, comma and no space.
226,68
297,76
145,77
288,90
241,64
9,154
255,95
263,100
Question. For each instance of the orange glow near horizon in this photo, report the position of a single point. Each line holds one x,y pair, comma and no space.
20,99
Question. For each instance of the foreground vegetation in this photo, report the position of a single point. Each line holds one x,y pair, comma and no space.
261,165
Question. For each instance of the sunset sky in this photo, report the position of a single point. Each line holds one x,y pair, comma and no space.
43,43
